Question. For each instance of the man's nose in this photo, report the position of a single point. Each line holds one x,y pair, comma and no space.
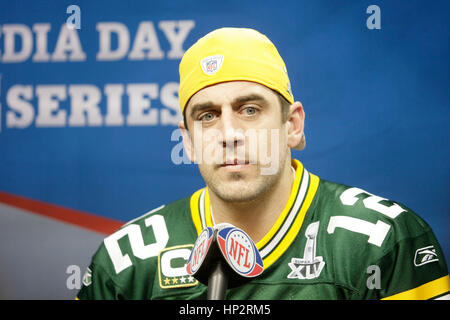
232,133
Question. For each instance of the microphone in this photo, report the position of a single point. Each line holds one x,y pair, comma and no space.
224,257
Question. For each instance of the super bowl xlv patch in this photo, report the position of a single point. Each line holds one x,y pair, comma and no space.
172,267
310,266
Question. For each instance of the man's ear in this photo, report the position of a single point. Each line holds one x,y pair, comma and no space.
187,141
295,124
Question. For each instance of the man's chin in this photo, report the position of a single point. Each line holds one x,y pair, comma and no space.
238,191
236,197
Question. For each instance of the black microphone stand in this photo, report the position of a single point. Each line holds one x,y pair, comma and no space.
217,282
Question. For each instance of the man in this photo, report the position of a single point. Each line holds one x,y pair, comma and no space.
318,239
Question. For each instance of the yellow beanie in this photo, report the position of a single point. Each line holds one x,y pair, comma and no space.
231,54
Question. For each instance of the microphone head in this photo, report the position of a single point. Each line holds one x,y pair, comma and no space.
232,247
240,252
200,251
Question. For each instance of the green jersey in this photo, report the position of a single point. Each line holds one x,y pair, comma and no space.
331,241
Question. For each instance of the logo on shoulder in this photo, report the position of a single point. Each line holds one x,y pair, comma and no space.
310,266
425,255
172,267
210,65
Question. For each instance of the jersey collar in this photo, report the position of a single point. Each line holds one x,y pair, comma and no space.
288,224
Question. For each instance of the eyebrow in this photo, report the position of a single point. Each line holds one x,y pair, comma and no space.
209,104
250,97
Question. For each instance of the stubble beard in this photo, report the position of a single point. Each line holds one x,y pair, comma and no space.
241,189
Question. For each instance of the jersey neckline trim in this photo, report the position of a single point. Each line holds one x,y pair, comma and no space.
286,227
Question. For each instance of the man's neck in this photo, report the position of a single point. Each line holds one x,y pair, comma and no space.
258,216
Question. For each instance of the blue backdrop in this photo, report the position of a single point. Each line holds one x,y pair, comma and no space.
87,113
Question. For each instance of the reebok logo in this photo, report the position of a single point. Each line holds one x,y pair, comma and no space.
425,255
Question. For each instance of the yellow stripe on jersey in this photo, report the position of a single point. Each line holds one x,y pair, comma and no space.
195,213
295,228
208,215
426,291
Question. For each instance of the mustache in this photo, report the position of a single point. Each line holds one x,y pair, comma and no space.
224,156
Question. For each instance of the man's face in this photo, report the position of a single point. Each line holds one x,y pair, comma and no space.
237,139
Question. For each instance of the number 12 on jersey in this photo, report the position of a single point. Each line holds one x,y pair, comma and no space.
378,231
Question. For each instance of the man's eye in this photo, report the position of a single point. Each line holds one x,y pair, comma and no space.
250,111
207,116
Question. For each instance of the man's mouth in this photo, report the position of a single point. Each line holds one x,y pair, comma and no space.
235,161
233,165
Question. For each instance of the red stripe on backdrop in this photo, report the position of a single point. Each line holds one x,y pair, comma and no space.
78,218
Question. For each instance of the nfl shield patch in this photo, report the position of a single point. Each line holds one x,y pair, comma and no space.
210,65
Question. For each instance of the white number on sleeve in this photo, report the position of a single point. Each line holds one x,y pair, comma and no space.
348,198
140,250
378,231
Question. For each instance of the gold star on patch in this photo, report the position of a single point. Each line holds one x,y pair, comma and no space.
166,280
